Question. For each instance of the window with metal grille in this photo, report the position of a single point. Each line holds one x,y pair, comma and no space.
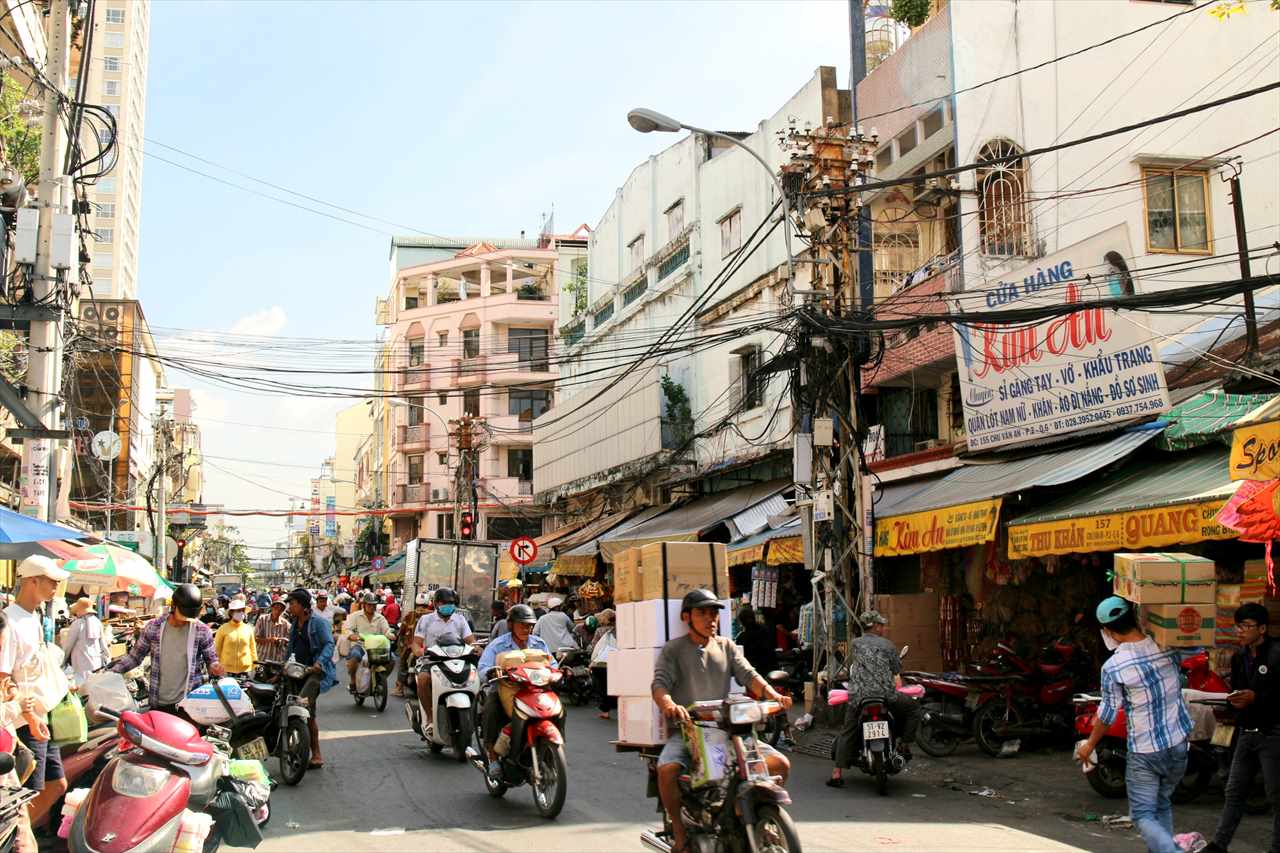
110,63
416,470
673,262
634,292
1177,208
115,16
470,343
471,402
1002,201
574,334
417,352
520,463
417,410
897,241
602,316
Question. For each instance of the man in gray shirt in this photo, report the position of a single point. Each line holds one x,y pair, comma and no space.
698,667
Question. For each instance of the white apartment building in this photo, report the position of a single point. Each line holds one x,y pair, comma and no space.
675,225
117,79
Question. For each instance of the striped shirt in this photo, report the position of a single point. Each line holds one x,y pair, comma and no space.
1143,679
272,638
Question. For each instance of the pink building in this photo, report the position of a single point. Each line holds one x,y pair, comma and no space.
471,337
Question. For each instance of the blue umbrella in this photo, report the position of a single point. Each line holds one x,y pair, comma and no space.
15,527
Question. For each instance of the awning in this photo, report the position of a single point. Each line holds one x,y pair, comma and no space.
576,555
1206,417
1147,505
509,568
393,571
1255,443
683,523
962,507
780,545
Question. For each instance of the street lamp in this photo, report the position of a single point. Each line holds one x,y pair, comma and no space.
648,121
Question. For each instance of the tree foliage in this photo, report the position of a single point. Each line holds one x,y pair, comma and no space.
222,551
371,540
13,357
913,13
19,135
679,411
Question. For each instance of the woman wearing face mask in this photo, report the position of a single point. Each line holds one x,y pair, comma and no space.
234,641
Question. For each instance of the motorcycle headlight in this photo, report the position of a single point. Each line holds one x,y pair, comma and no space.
539,677
454,665
745,713
295,670
138,780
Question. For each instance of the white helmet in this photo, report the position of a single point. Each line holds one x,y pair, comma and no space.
423,599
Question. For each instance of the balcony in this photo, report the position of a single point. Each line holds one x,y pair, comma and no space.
510,429
508,368
410,494
415,378
413,437
505,488
469,372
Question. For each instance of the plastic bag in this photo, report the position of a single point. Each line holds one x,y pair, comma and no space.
375,642
708,752
67,722
248,769
363,676
603,648
232,809
205,708
107,689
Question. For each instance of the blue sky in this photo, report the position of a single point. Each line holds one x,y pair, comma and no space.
453,118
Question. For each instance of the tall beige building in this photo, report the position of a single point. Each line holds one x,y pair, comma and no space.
117,79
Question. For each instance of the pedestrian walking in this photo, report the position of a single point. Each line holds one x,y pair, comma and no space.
1143,679
1255,694
87,642
235,641
271,633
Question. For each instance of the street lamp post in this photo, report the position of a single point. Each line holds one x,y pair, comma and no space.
648,121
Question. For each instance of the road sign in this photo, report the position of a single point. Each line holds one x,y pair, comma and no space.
523,550
377,563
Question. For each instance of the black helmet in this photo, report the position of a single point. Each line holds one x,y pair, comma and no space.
302,596
698,599
445,595
521,613
186,598
367,597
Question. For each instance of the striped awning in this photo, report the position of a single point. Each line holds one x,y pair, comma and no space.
774,546
1207,418
576,556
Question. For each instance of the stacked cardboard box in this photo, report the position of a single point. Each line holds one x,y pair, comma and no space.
1189,625
1165,579
646,619
914,621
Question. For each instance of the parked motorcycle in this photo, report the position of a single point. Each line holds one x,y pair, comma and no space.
12,801
948,706
742,810
379,663
455,688
531,747
278,724
83,762
576,685
1034,703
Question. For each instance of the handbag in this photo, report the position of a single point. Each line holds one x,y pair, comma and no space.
68,723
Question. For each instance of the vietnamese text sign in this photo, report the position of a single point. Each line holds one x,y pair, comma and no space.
936,529
1255,452
331,515
1077,371
1121,531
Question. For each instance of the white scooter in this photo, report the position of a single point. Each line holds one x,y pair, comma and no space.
455,688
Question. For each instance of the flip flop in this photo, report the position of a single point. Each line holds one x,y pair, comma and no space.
315,765
835,783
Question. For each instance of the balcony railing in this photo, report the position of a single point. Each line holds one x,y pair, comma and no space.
414,435
469,369
411,493
673,261
902,443
415,378
526,487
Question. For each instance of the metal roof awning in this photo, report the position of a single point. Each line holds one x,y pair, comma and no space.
764,544
684,522
576,556
1171,502
1206,417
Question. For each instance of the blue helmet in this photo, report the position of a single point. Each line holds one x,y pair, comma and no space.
1111,609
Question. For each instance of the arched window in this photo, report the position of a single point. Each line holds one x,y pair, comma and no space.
896,244
1002,200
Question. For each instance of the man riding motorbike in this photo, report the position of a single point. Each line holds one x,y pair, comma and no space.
697,668
366,620
445,619
404,641
521,620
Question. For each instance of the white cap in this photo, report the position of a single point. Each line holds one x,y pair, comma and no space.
38,565
554,601
236,604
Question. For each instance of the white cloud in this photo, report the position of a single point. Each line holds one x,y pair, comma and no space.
269,321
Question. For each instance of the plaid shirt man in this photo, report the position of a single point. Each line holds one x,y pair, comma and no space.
200,654
1143,679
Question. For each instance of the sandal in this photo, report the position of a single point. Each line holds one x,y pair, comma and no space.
835,783
315,765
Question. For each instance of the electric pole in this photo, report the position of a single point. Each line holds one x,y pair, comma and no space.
1242,246
161,429
44,369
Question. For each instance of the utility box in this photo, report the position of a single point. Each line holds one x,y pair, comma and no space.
62,249
26,235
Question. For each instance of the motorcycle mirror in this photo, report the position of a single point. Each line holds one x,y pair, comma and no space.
902,654
6,763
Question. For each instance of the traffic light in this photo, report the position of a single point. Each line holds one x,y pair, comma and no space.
177,561
467,527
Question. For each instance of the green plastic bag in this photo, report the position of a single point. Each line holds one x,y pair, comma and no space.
375,642
67,722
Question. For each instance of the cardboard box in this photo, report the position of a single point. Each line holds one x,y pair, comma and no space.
670,570
650,624
640,723
1254,587
1165,579
630,672
909,611
1180,625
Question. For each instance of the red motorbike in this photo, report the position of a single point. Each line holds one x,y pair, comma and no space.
1037,703
531,747
947,709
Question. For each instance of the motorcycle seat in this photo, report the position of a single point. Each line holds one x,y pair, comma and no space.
260,689
778,675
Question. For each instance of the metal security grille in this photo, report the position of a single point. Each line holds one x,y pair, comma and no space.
1002,201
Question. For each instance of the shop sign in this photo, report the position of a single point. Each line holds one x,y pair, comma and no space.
1120,531
1077,371
936,529
1255,452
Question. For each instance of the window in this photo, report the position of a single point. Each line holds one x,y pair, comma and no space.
520,463
470,343
104,136
731,233
635,251
443,458
417,352
114,109
1002,204
884,157
931,123
417,411
102,259
416,472
1177,206
750,383
444,338
110,63
895,247
444,398
675,219
528,403
115,16
906,141
602,316
115,40
530,346
471,402
105,185
105,235
444,526
410,302
111,88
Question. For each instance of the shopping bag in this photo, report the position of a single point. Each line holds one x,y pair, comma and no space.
107,689
67,722
603,648
708,752
363,676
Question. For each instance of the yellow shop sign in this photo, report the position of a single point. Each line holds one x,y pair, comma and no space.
1120,531
936,529
1255,452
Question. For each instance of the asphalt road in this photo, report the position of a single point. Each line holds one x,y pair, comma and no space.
381,790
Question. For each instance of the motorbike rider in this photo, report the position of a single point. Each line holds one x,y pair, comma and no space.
521,619
445,619
311,644
875,672
404,641
366,620
697,668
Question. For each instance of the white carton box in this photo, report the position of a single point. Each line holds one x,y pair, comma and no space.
631,672
640,722
649,624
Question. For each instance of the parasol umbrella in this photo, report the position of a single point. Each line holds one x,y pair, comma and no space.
58,549
115,569
22,536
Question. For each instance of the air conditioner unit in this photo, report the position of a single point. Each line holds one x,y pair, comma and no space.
439,495
89,313
111,313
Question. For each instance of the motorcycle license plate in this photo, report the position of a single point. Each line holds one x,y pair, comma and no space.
874,730
1222,734
254,749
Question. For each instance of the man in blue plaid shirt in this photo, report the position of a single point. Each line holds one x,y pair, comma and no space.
1143,679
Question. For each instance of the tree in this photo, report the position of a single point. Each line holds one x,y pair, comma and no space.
19,135
371,540
222,551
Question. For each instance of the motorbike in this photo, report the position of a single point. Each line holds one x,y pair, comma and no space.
278,724
788,679
948,706
576,685
744,809
12,802
83,762
379,662
455,688
1034,702
878,755
531,747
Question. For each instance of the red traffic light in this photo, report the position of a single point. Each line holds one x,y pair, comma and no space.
467,526
182,543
